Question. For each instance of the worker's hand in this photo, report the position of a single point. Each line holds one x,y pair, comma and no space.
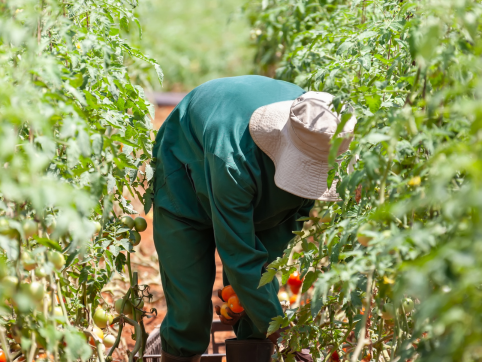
235,316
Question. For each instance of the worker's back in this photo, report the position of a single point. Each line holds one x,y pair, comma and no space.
212,121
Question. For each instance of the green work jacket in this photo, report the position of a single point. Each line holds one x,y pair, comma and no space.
211,174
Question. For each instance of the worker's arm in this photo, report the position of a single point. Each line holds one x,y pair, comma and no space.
243,256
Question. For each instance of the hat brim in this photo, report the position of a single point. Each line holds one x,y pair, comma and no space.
295,172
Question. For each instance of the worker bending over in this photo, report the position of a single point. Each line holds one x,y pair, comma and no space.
238,161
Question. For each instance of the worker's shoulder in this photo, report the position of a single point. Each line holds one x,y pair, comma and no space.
243,86
238,80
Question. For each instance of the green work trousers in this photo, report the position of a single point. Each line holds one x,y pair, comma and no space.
188,269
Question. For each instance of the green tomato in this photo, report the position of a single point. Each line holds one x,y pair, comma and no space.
135,238
109,340
28,261
11,233
127,221
140,224
138,316
325,217
118,305
98,227
7,230
57,259
408,305
40,272
30,228
139,303
58,312
9,283
35,290
408,160
101,318
110,318
397,168
3,224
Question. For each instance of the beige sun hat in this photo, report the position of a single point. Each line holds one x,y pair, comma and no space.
296,135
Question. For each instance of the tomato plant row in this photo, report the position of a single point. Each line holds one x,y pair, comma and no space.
395,266
75,137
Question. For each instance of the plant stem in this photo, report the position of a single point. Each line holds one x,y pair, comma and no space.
131,280
33,348
380,332
61,301
5,345
97,342
362,340
384,179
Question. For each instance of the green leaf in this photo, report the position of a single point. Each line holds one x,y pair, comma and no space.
71,258
160,74
10,246
317,299
335,146
120,261
267,277
277,323
279,262
48,243
149,172
374,102
125,141
308,281
365,62
139,27
148,200
375,138
367,34
124,24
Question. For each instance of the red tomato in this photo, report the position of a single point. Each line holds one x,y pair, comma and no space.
294,280
234,304
295,289
3,357
227,293
335,357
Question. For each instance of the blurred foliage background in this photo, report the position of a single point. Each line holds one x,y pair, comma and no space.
193,40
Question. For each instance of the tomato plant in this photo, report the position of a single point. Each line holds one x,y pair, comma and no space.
395,264
76,137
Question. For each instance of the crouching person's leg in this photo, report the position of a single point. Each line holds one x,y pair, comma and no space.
187,266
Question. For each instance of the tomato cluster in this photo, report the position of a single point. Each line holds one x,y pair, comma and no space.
231,302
